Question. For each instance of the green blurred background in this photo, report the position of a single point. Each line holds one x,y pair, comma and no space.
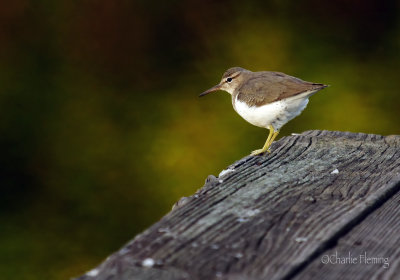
101,127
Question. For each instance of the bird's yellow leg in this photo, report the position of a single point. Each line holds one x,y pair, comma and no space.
268,143
273,138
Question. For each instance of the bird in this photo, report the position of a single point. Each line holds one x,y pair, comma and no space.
266,99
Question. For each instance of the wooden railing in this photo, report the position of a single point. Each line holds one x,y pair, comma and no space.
322,205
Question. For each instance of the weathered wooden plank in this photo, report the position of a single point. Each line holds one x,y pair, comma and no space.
267,217
371,250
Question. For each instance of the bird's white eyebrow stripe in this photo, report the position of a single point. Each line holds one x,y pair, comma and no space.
232,77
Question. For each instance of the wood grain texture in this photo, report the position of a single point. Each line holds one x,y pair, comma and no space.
269,217
369,251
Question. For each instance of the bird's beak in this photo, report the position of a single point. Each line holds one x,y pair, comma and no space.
214,88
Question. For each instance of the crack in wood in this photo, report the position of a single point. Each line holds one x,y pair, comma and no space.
328,244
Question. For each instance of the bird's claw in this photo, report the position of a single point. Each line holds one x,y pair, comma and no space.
259,152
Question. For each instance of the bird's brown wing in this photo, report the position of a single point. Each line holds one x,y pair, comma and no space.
267,87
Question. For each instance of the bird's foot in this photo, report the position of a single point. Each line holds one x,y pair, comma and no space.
260,152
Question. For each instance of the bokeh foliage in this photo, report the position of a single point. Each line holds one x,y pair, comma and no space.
101,128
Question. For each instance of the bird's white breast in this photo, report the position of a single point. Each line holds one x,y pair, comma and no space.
277,113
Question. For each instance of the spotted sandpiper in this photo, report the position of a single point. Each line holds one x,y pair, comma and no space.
266,99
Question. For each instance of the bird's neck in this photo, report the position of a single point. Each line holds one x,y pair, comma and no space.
234,97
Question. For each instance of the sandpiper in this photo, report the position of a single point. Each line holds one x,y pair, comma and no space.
266,99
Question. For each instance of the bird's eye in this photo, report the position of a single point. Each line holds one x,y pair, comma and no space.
229,79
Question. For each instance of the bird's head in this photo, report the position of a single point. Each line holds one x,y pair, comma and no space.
230,81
